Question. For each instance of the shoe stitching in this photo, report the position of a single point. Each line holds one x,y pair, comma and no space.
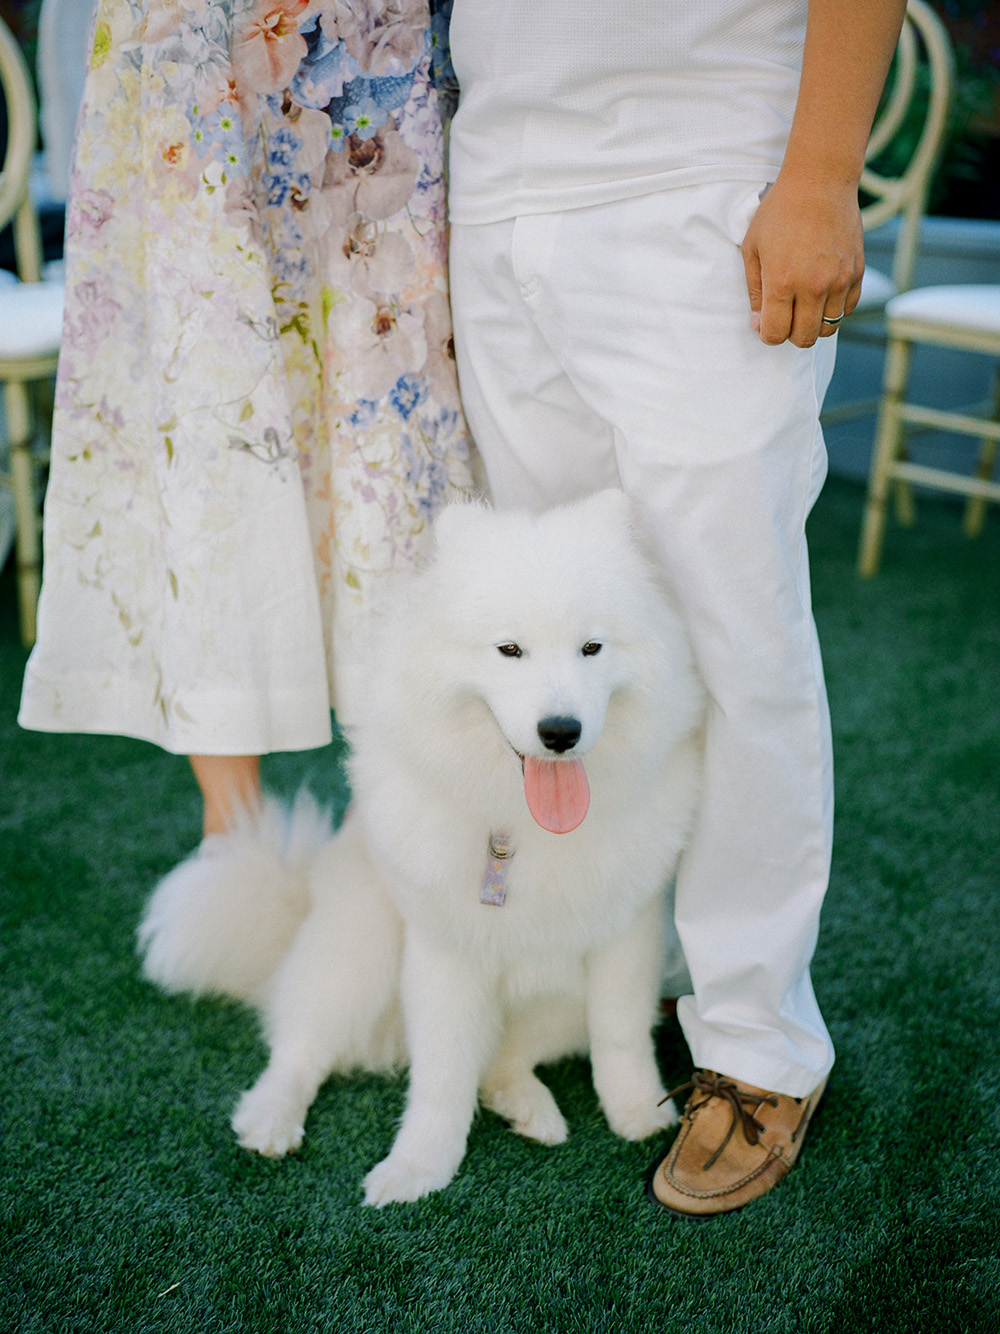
711,1085
800,1129
776,1156
717,1086
730,1189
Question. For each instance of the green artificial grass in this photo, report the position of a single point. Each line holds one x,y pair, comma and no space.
126,1205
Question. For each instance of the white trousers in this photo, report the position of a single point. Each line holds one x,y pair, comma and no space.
612,346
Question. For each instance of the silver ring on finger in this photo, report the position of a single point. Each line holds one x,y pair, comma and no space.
836,319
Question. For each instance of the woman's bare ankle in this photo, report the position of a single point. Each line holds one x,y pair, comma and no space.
229,784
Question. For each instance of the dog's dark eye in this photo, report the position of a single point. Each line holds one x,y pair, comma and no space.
590,648
510,650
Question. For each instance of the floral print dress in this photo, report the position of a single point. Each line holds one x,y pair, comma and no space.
257,412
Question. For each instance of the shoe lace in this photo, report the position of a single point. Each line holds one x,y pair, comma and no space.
740,1103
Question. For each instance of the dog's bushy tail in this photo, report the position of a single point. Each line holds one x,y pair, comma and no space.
223,919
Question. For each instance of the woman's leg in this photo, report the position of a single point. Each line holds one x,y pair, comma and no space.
227,782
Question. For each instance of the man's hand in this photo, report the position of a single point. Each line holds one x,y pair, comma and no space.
803,252
804,256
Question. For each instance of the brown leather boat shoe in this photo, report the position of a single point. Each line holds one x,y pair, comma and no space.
735,1143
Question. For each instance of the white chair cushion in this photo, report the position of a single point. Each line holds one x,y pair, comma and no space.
973,306
876,289
31,316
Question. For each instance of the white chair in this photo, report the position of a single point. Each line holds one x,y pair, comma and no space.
31,312
915,106
966,318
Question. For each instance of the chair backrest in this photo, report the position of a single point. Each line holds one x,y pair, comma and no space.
15,198
921,77
63,52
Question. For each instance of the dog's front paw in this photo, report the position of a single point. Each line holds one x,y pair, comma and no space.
642,1118
529,1109
396,1181
264,1128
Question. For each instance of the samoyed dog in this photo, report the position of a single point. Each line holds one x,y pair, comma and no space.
523,782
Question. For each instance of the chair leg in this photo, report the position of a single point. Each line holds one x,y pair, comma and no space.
28,554
906,506
902,491
975,509
888,442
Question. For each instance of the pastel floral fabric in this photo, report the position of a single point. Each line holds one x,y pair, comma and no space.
257,410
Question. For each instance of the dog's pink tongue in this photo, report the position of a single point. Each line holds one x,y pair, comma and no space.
557,793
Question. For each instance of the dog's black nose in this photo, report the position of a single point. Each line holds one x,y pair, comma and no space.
559,734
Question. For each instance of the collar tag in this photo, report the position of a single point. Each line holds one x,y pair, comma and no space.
494,886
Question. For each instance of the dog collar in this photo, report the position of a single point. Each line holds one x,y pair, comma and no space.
494,887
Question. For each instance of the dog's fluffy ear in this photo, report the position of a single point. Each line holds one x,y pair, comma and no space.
455,521
463,522
608,512
611,504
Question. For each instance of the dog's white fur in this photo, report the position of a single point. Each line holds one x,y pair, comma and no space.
370,948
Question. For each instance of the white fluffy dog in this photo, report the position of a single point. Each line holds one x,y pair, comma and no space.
523,781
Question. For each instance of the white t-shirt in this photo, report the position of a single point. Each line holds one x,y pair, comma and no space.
567,103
